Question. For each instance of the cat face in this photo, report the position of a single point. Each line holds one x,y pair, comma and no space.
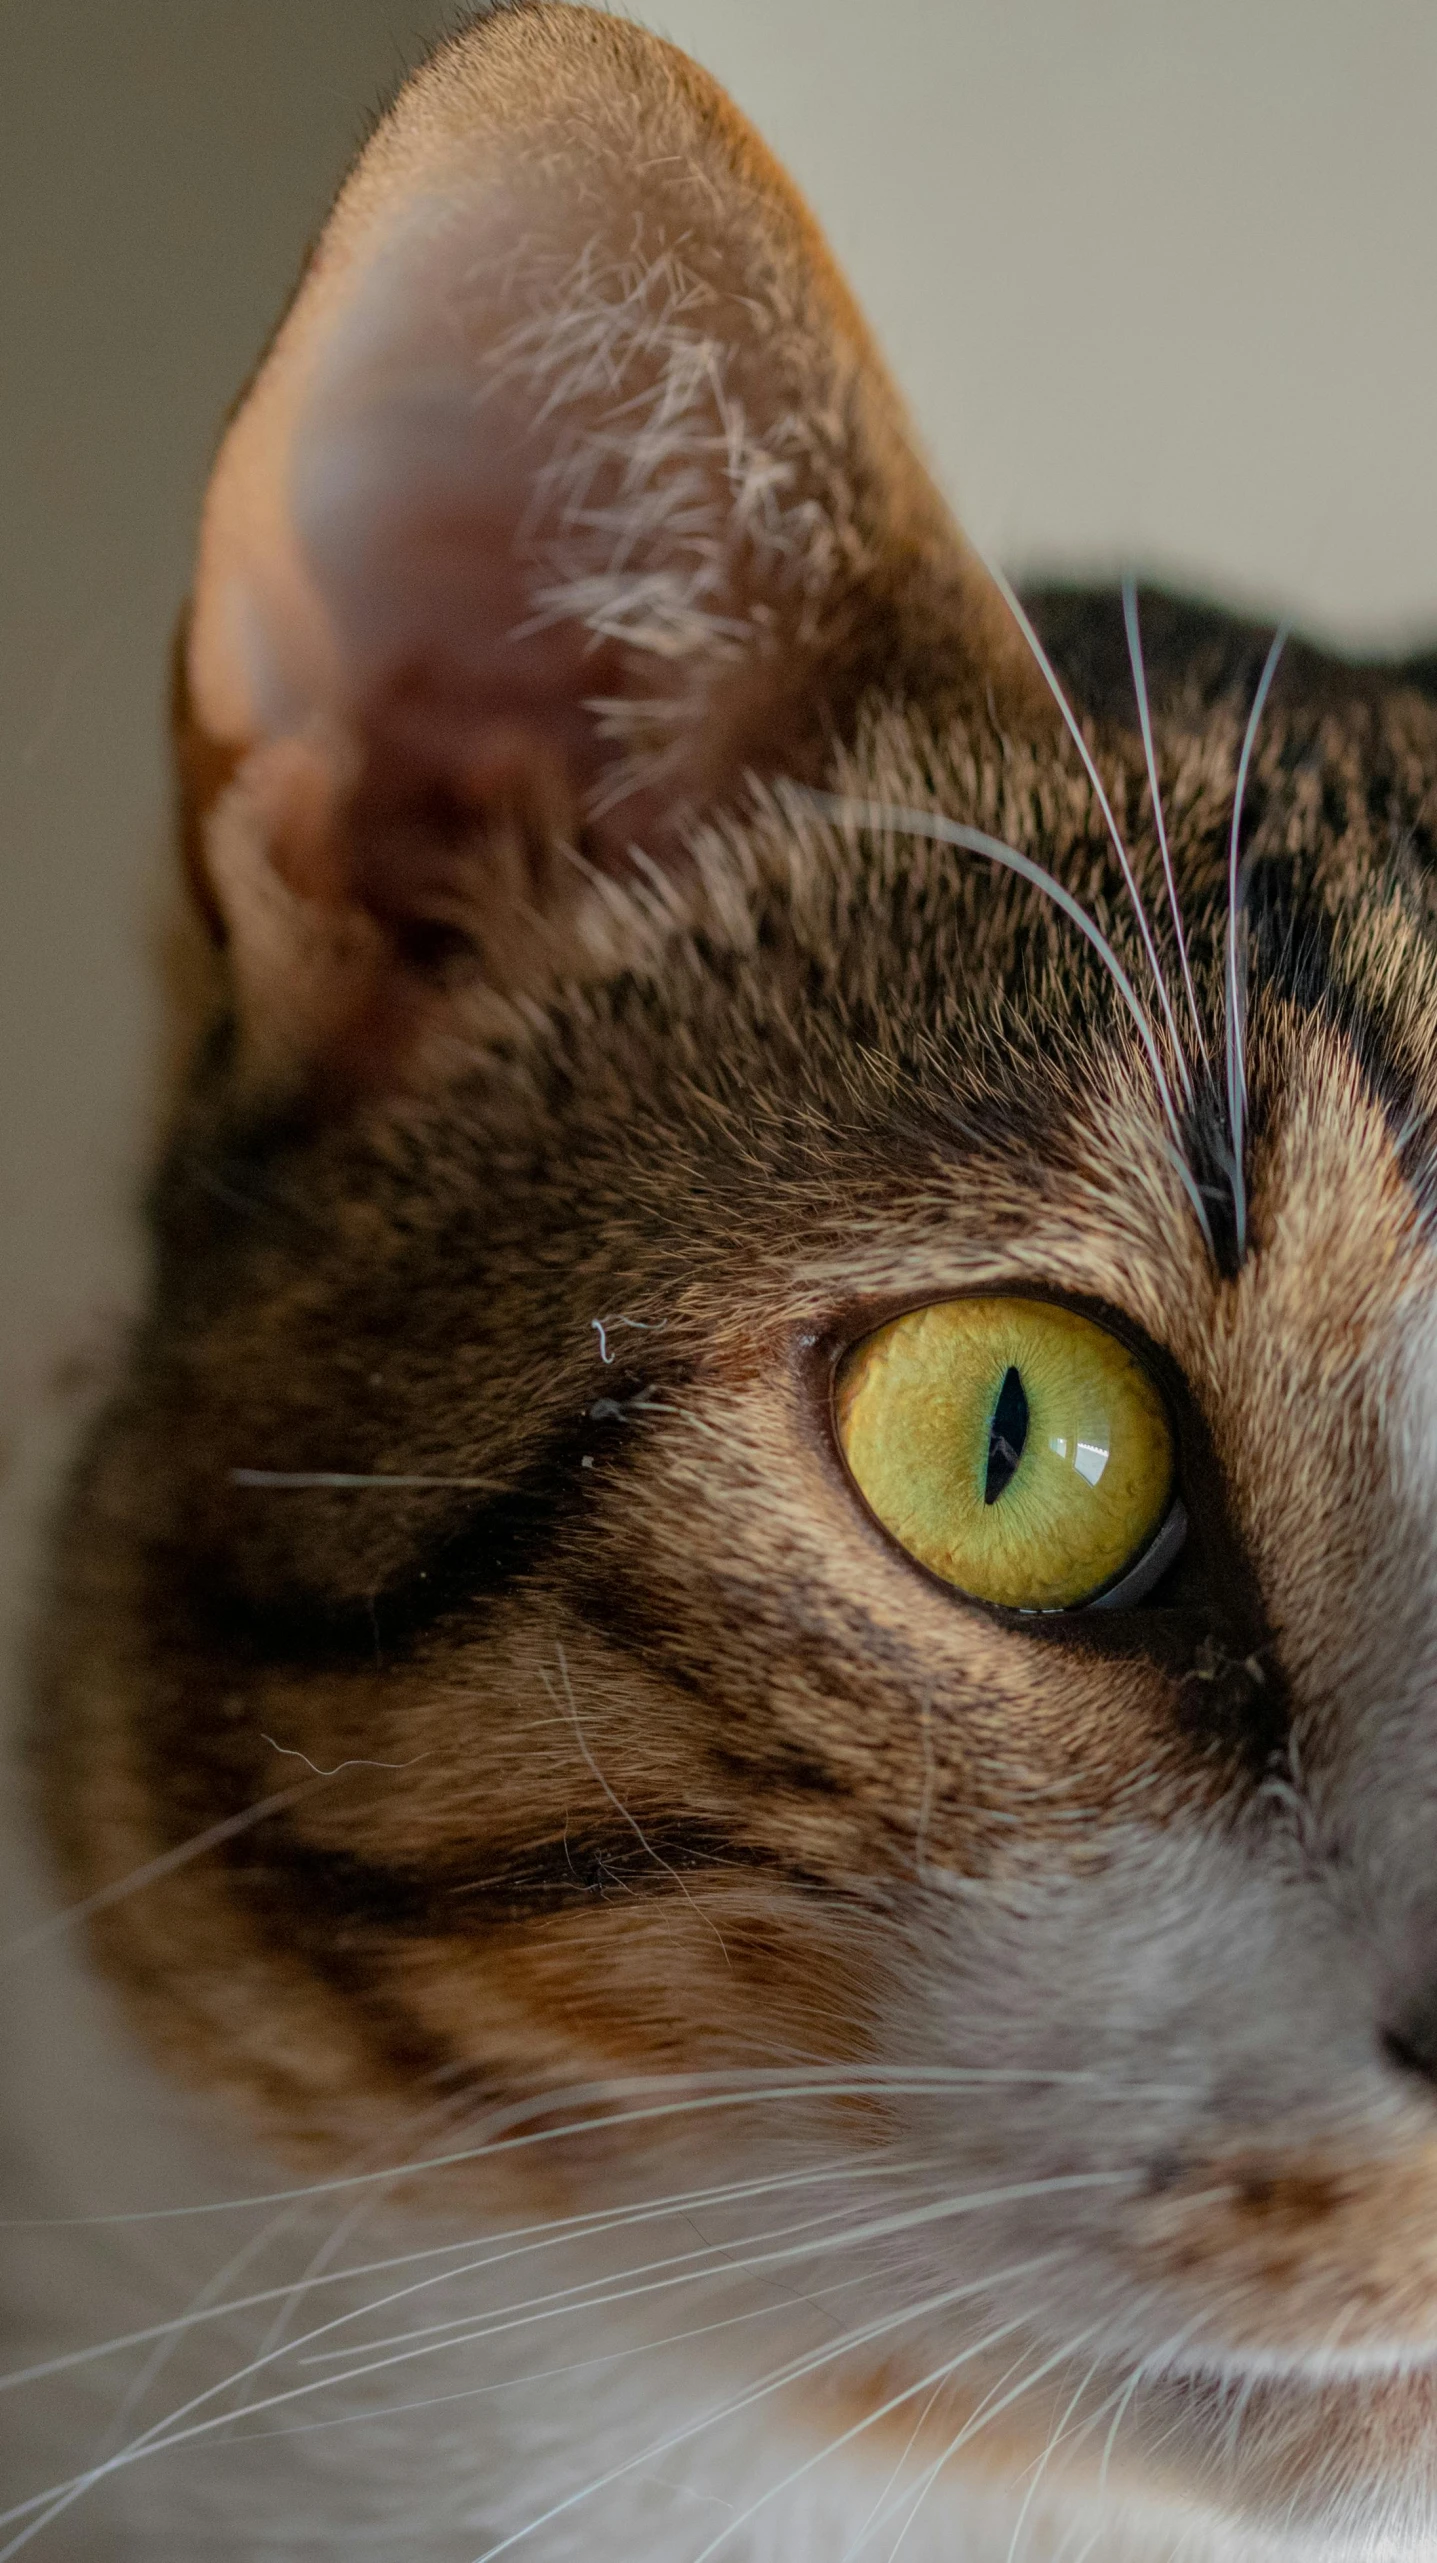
604,764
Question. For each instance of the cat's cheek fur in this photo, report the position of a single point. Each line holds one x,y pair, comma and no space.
544,1780
470,2475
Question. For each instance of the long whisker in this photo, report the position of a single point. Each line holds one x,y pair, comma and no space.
350,2222
615,1801
1054,2441
166,2435
366,2415
517,2244
208,2302
1130,879
942,831
591,2304
1122,2401
165,2338
916,2495
568,2299
994,2404
794,2372
1149,2364
343,1477
754,2088
913,2494
648,2278
881,2506
162,2339
1232,2432
1133,628
1236,977
975,2349
147,1876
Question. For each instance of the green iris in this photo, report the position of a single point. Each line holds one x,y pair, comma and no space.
1012,1447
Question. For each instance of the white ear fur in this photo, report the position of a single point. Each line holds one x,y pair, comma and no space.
571,492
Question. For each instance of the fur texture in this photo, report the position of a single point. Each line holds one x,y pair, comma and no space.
857,2069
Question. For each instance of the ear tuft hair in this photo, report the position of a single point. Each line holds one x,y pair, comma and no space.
572,494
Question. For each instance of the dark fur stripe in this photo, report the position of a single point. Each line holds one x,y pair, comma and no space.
503,1543
327,1891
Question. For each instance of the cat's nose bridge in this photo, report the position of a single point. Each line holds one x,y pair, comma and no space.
1365,1747
1363,1677
1410,2037
1326,1419
1402,1921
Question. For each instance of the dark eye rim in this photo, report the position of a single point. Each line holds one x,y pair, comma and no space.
1129,1588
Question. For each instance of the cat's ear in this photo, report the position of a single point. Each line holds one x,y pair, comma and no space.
571,493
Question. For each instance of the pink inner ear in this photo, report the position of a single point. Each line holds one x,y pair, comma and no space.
570,495
430,510
413,505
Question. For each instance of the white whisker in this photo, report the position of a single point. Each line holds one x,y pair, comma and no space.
936,2376
166,2338
616,1802
943,831
1237,977
163,2339
753,2088
1123,2400
1130,878
579,2296
793,2373
1054,2441
994,2403
546,2375
1133,628
148,1875
593,2225
461,2330
342,1477
881,2506
42,2508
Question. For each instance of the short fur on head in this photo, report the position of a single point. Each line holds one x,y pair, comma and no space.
590,728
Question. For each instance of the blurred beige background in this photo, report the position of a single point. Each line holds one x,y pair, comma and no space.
1158,279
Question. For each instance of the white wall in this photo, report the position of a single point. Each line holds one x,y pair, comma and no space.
1160,279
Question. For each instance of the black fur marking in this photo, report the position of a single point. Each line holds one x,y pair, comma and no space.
503,1542
316,1889
1187,648
1292,942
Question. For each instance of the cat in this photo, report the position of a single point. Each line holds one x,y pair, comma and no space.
744,1665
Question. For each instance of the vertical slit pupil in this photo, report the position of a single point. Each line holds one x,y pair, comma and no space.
1007,1434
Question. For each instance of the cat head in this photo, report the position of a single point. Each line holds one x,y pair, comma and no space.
787,1444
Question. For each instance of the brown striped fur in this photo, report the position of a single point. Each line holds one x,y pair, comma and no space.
534,1185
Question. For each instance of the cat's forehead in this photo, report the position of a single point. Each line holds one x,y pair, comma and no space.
904,1073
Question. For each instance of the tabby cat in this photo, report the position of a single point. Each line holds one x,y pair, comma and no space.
749,1658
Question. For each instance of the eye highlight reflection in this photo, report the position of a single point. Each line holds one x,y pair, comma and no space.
1013,1448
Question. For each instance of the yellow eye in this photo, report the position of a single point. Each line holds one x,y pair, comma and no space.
1012,1447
